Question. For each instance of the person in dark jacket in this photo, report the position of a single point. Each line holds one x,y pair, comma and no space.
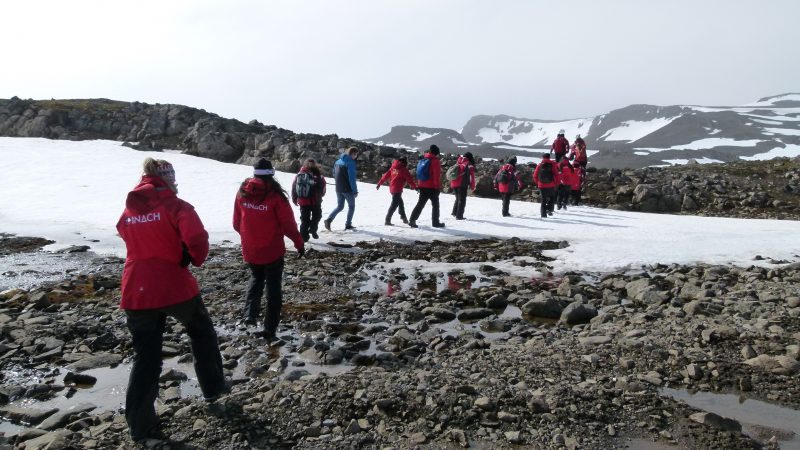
545,176
429,190
507,183
560,146
344,175
163,235
398,176
465,180
262,216
312,188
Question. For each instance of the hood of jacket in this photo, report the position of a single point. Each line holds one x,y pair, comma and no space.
254,188
396,164
148,194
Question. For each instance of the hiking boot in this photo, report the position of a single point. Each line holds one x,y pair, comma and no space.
314,235
438,225
327,223
404,220
349,227
305,237
249,321
226,389
388,223
460,218
412,223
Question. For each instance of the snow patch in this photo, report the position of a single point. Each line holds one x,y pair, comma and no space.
681,162
633,130
715,142
789,151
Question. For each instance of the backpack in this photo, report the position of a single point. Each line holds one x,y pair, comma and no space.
452,172
503,176
424,169
304,185
546,173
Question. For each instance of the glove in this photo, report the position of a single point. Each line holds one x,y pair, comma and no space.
377,187
301,251
186,258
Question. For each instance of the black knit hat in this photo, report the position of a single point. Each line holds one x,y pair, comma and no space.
434,150
469,156
512,160
263,168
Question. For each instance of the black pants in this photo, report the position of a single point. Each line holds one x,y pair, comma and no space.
426,194
397,204
563,196
559,156
548,198
506,198
272,275
309,220
147,330
576,197
461,201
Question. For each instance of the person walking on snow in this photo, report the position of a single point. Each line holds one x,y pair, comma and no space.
579,152
398,176
344,175
545,176
560,146
163,235
429,186
308,188
465,179
507,183
566,174
262,216
576,184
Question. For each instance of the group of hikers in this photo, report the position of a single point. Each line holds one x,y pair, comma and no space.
164,235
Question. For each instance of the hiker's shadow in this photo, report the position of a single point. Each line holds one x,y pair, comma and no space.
508,224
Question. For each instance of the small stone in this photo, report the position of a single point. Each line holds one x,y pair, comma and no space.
694,372
748,352
417,438
513,437
611,430
484,403
714,420
199,424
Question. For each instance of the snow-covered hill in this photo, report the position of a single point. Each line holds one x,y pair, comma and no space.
73,193
646,135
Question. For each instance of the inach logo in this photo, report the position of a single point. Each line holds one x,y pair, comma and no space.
255,206
144,218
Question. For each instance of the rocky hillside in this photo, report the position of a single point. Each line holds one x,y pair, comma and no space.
766,189
646,135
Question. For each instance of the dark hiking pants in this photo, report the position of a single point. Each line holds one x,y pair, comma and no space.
461,201
548,198
426,194
397,204
147,331
506,198
309,220
270,274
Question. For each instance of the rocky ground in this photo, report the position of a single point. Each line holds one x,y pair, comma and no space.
375,355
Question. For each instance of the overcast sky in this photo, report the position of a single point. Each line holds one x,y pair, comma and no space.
356,68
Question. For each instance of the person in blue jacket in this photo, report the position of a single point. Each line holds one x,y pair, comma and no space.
344,175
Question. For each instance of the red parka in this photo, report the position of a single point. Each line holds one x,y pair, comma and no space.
579,150
156,225
398,175
560,146
262,217
435,180
554,168
465,170
566,173
317,193
513,184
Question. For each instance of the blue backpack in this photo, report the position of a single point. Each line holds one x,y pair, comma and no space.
423,169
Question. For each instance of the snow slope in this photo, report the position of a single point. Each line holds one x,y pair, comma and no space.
73,193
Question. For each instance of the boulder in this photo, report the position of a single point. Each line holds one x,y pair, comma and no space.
577,313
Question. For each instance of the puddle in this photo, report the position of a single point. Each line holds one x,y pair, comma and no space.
27,270
754,415
402,278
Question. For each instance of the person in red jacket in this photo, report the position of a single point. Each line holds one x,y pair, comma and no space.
577,184
464,180
262,216
398,176
163,235
579,152
429,189
560,146
308,188
546,178
507,183
566,174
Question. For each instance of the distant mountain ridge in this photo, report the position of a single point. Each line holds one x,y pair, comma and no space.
633,136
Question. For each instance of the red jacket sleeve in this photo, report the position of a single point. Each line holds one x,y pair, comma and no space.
385,177
436,172
409,178
536,174
237,214
287,222
192,233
